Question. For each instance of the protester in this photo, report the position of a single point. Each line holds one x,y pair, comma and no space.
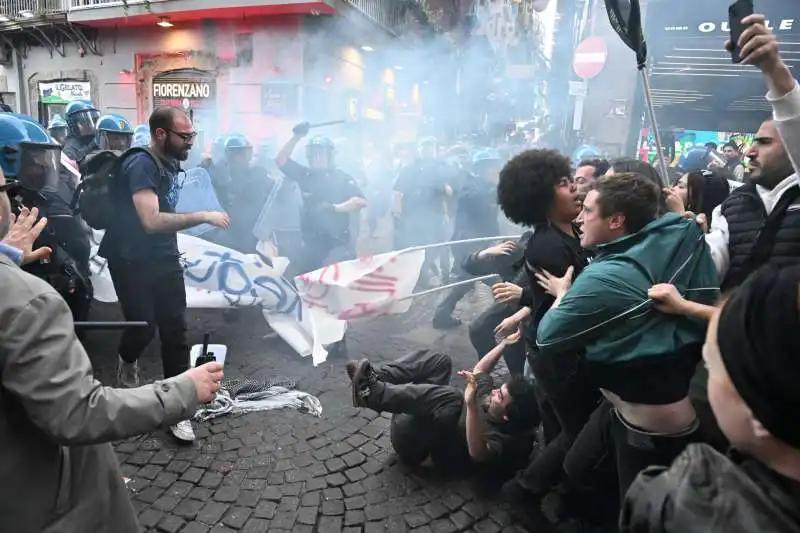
60,472
734,164
587,173
480,426
641,359
751,354
536,189
506,260
699,192
759,222
142,250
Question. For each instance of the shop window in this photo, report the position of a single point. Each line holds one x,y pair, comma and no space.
244,49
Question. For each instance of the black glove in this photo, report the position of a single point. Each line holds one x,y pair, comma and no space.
302,129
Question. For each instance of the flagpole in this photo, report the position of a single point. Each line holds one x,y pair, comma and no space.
648,97
448,286
463,241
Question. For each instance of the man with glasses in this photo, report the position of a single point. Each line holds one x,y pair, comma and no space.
142,249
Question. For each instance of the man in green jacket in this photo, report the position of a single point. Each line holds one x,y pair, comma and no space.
642,360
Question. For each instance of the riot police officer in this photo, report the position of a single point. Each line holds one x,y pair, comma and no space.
242,188
31,159
141,135
58,129
81,119
330,196
113,132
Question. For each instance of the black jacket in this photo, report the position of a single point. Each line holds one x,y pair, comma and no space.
706,492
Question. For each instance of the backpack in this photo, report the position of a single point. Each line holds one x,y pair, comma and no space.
96,199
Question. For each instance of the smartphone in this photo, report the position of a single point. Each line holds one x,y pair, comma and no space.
736,12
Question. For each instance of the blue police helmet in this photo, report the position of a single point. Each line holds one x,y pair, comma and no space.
81,118
29,153
485,155
695,158
57,122
586,151
142,129
321,141
236,141
36,132
12,133
114,132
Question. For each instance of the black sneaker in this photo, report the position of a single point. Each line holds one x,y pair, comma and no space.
363,378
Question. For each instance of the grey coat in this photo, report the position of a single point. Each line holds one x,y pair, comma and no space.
58,471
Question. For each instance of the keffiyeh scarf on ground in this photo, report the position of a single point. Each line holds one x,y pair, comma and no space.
239,396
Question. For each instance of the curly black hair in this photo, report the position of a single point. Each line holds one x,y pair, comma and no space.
526,189
523,411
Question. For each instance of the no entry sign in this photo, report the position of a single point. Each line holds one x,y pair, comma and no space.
590,57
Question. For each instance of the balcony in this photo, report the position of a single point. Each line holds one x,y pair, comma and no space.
100,13
21,13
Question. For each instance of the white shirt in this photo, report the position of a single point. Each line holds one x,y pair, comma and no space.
786,111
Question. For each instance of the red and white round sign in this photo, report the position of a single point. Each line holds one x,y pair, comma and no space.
590,57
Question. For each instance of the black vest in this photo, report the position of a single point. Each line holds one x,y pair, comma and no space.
745,214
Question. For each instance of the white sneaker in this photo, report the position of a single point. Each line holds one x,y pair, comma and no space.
127,374
183,431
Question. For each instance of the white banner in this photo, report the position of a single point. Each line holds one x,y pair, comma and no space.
365,287
218,277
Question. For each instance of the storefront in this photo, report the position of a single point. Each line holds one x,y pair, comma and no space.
194,91
54,96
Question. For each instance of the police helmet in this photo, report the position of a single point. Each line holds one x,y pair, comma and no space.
238,150
114,132
57,122
141,135
29,156
485,155
695,158
81,118
321,142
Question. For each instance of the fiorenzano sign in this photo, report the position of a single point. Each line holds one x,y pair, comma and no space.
181,90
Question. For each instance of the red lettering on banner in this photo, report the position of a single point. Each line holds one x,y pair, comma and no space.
362,310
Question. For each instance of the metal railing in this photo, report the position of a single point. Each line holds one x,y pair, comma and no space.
86,4
22,10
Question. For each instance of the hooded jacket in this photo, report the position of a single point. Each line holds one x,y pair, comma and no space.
706,492
608,313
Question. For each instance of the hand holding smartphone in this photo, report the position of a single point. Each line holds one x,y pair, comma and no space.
736,13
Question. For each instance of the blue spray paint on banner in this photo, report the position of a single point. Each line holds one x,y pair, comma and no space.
233,281
197,194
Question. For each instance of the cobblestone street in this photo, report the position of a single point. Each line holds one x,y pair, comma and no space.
288,471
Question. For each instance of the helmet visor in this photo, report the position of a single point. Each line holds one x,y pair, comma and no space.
109,140
38,167
239,157
84,122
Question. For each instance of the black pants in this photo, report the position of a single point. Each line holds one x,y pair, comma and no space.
608,439
566,401
426,408
154,292
481,334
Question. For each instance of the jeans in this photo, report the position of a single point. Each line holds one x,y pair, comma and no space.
153,291
609,453
566,401
426,408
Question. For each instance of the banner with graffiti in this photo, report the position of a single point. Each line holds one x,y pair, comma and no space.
218,277
365,287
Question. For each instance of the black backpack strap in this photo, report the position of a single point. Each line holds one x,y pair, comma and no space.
162,172
765,240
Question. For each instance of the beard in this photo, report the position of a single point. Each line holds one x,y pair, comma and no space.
177,151
771,175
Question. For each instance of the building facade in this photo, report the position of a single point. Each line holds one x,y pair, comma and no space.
242,66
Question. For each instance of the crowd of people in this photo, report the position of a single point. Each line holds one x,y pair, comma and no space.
646,321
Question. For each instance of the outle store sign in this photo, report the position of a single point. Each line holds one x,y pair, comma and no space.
199,90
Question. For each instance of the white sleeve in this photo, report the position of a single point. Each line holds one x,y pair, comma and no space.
786,111
717,239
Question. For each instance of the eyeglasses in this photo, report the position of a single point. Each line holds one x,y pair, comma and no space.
186,137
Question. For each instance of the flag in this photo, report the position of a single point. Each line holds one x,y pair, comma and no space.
363,288
626,19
